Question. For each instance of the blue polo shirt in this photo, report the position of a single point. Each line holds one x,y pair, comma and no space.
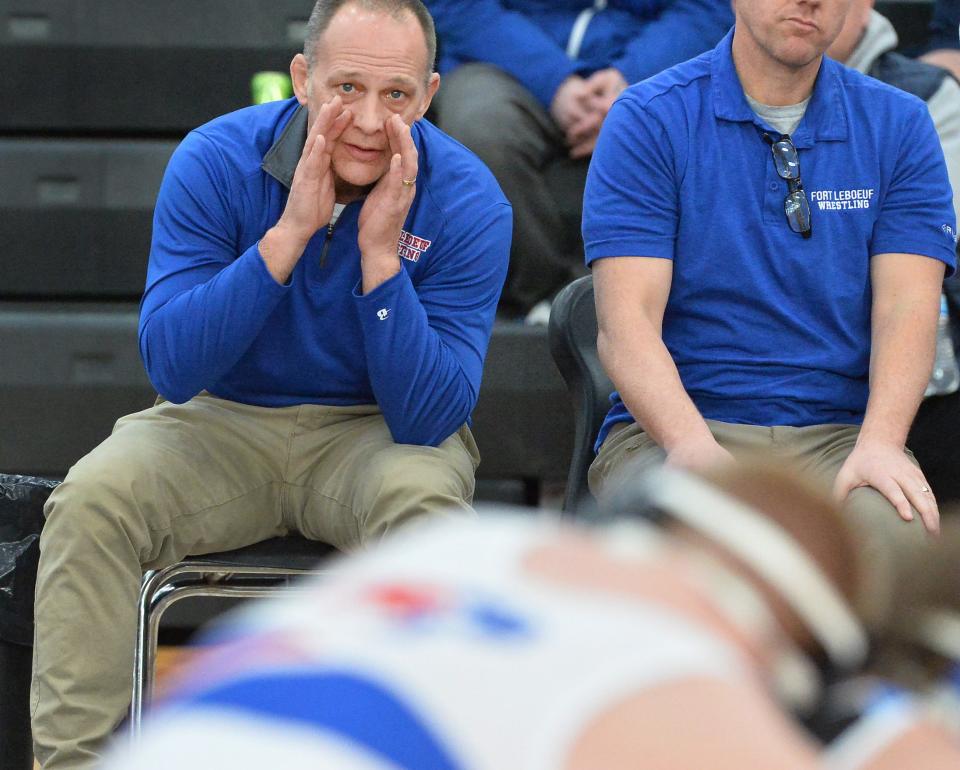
766,327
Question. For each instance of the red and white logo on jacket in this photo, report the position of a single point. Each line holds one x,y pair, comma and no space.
411,247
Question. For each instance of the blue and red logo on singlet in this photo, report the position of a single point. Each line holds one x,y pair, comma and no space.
424,606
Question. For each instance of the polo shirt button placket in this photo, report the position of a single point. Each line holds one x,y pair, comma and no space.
773,198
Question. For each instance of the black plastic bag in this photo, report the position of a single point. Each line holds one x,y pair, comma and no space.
21,518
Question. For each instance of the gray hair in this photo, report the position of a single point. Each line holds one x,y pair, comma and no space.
324,11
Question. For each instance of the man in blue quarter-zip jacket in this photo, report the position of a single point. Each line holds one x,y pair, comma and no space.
530,84
321,290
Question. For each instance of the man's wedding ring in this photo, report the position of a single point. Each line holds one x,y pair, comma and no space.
409,182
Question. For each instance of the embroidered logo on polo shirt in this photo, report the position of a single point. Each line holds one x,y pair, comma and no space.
411,247
950,233
382,313
842,200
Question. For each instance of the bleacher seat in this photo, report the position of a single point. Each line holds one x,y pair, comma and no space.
121,66
68,371
910,18
75,215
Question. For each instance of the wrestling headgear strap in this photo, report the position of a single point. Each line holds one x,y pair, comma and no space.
770,552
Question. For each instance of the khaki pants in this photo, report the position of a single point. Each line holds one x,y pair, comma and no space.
205,476
894,550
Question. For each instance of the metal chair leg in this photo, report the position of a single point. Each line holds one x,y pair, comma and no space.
162,588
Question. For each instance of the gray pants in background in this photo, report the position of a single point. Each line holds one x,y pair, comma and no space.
184,479
497,118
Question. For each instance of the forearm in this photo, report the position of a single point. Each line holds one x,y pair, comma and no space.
281,250
377,270
421,387
190,338
901,359
205,303
652,392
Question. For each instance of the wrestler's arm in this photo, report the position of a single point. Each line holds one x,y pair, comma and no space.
693,723
923,747
727,725
893,734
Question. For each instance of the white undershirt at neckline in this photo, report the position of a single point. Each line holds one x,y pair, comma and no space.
784,118
337,211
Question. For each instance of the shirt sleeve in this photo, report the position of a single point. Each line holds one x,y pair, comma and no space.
916,213
630,203
484,31
425,345
685,29
205,301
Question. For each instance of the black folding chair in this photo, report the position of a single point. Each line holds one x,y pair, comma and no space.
573,345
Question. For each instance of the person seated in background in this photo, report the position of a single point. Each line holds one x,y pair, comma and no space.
322,285
941,47
684,639
768,232
530,83
866,43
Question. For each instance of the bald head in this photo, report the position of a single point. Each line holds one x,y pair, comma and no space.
325,10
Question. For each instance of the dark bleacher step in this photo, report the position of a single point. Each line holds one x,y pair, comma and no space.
67,372
138,65
75,215
911,19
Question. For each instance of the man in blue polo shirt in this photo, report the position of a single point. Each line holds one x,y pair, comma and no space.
768,232
323,279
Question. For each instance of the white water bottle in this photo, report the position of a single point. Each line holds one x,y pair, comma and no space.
945,378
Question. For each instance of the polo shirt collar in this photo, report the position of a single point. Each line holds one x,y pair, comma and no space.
825,118
281,159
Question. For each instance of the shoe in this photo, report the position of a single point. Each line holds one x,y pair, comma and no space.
539,314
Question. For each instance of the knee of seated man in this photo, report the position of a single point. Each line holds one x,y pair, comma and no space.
95,498
411,479
895,556
872,508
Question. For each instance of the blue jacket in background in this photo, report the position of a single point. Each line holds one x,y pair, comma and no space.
529,38
944,25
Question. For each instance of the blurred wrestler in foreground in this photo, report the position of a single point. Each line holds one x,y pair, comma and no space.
687,637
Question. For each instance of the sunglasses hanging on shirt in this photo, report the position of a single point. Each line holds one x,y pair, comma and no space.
787,162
